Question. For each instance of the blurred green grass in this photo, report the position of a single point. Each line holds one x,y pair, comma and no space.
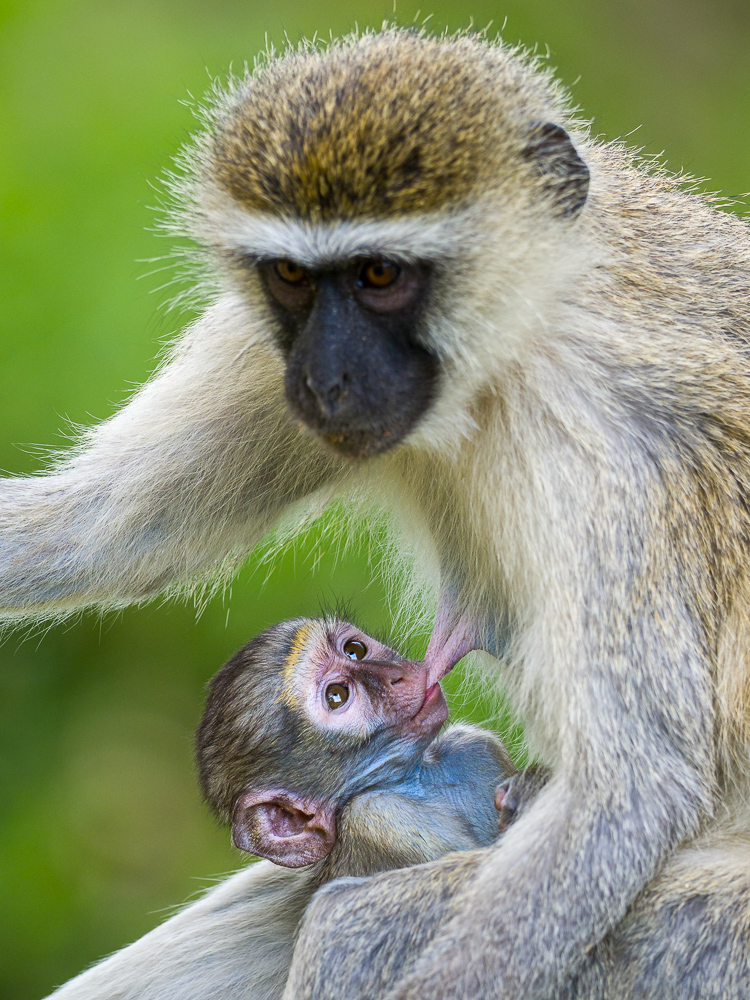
101,824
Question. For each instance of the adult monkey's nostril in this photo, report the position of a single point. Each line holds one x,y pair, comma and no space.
328,396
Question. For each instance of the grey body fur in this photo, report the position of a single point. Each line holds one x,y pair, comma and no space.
237,942
685,938
580,478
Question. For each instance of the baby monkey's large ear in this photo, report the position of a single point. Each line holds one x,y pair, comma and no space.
285,828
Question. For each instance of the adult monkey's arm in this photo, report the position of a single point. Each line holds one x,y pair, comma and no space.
195,469
633,775
234,943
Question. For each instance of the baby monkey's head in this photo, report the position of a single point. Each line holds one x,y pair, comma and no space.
307,715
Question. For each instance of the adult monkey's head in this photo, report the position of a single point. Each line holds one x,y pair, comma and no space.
375,203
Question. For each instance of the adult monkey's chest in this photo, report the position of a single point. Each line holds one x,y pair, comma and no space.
457,525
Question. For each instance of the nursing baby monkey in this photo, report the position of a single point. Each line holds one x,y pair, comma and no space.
320,746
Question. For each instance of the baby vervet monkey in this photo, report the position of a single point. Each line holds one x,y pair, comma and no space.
319,743
322,747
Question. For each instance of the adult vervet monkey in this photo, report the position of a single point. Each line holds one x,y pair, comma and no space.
437,291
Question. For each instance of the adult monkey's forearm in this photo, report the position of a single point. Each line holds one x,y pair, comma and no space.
194,470
634,776
234,943
517,920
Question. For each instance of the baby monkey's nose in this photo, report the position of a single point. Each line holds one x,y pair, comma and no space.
390,673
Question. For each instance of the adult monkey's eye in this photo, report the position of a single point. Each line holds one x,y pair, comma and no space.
290,272
378,274
336,696
355,649
290,284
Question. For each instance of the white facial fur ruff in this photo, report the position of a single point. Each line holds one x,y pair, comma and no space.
313,244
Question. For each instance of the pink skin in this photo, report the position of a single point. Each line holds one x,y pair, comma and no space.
285,828
452,638
294,831
406,700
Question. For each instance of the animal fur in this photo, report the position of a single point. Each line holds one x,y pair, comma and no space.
580,480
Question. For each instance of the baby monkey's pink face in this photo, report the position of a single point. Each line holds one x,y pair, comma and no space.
349,682
325,709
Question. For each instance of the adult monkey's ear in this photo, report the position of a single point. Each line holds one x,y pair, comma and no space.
286,828
565,176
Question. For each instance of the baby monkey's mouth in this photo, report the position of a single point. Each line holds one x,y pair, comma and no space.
431,714
429,694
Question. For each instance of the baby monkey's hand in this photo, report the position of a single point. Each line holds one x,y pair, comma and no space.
516,792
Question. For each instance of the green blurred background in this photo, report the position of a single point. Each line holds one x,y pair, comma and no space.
101,824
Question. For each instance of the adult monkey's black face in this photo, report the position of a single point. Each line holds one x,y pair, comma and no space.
355,373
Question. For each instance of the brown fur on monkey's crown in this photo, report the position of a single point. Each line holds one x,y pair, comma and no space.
380,124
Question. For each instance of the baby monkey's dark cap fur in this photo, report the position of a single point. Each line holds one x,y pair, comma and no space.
246,729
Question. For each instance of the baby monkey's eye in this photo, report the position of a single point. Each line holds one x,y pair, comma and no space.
355,649
378,274
290,272
336,696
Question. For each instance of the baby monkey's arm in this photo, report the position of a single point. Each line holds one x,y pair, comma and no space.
514,794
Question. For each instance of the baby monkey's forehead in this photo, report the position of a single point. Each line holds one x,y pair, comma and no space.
314,645
322,638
